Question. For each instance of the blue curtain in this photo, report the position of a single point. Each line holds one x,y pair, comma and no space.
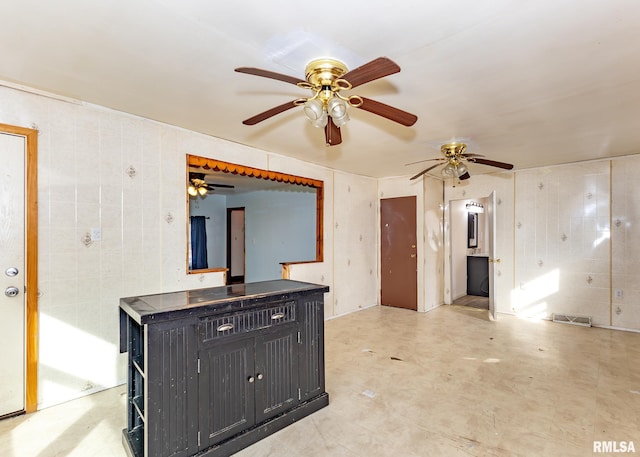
198,243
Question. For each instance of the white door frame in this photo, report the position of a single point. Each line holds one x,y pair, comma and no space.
491,216
491,212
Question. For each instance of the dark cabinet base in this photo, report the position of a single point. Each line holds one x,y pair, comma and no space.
215,370
133,443
478,276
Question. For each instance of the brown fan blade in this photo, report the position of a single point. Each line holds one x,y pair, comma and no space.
493,163
332,133
269,74
389,112
466,175
441,159
376,69
424,171
467,156
269,113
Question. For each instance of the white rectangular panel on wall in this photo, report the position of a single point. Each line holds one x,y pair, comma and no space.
562,243
625,237
356,244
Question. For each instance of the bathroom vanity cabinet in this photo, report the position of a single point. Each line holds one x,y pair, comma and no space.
478,275
212,371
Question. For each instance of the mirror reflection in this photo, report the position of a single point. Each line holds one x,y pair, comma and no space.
250,225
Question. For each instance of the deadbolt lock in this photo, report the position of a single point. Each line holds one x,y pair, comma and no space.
11,291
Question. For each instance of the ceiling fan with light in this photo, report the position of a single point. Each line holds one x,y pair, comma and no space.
327,107
455,156
198,185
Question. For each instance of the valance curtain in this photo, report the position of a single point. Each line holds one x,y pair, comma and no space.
198,243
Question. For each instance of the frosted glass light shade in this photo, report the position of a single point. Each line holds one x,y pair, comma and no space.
449,170
460,170
337,109
314,110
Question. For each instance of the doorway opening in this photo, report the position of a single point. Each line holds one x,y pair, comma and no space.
235,245
472,246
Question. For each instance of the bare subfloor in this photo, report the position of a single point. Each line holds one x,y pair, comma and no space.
446,383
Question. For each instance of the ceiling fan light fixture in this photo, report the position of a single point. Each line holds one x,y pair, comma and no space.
461,169
337,109
192,191
315,112
202,190
449,170
313,109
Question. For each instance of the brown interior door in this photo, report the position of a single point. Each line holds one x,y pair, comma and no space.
399,262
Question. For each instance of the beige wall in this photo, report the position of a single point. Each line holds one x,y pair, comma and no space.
567,238
126,175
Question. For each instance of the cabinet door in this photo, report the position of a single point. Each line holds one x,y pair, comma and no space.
311,347
171,389
276,371
227,381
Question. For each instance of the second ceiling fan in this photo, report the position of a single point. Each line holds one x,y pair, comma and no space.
327,107
455,156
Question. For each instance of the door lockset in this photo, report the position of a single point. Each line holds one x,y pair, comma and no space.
11,271
11,291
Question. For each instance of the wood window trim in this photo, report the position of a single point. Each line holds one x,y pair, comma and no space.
31,273
243,170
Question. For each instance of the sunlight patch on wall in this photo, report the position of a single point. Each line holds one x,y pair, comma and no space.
530,299
605,236
73,359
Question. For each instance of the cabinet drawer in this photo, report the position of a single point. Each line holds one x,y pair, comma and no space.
247,321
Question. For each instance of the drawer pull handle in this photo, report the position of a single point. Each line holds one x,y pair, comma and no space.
225,327
277,316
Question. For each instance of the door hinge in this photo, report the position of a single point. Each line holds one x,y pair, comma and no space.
299,338
299,394
198,366
198,439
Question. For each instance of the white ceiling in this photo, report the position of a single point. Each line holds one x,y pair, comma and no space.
527,82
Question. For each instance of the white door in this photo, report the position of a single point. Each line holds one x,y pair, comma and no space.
12,272
491,216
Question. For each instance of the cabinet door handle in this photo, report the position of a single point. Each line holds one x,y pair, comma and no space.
225,327
277,316
260,376
250,379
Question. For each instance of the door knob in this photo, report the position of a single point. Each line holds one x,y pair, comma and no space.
250,379
413,256
260,376
11,291
11,271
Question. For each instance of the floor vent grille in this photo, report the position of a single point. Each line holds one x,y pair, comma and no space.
575,320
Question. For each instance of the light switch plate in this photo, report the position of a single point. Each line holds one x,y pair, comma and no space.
96,233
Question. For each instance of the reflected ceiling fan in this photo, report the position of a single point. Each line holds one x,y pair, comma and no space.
455,156
327,107
198,186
